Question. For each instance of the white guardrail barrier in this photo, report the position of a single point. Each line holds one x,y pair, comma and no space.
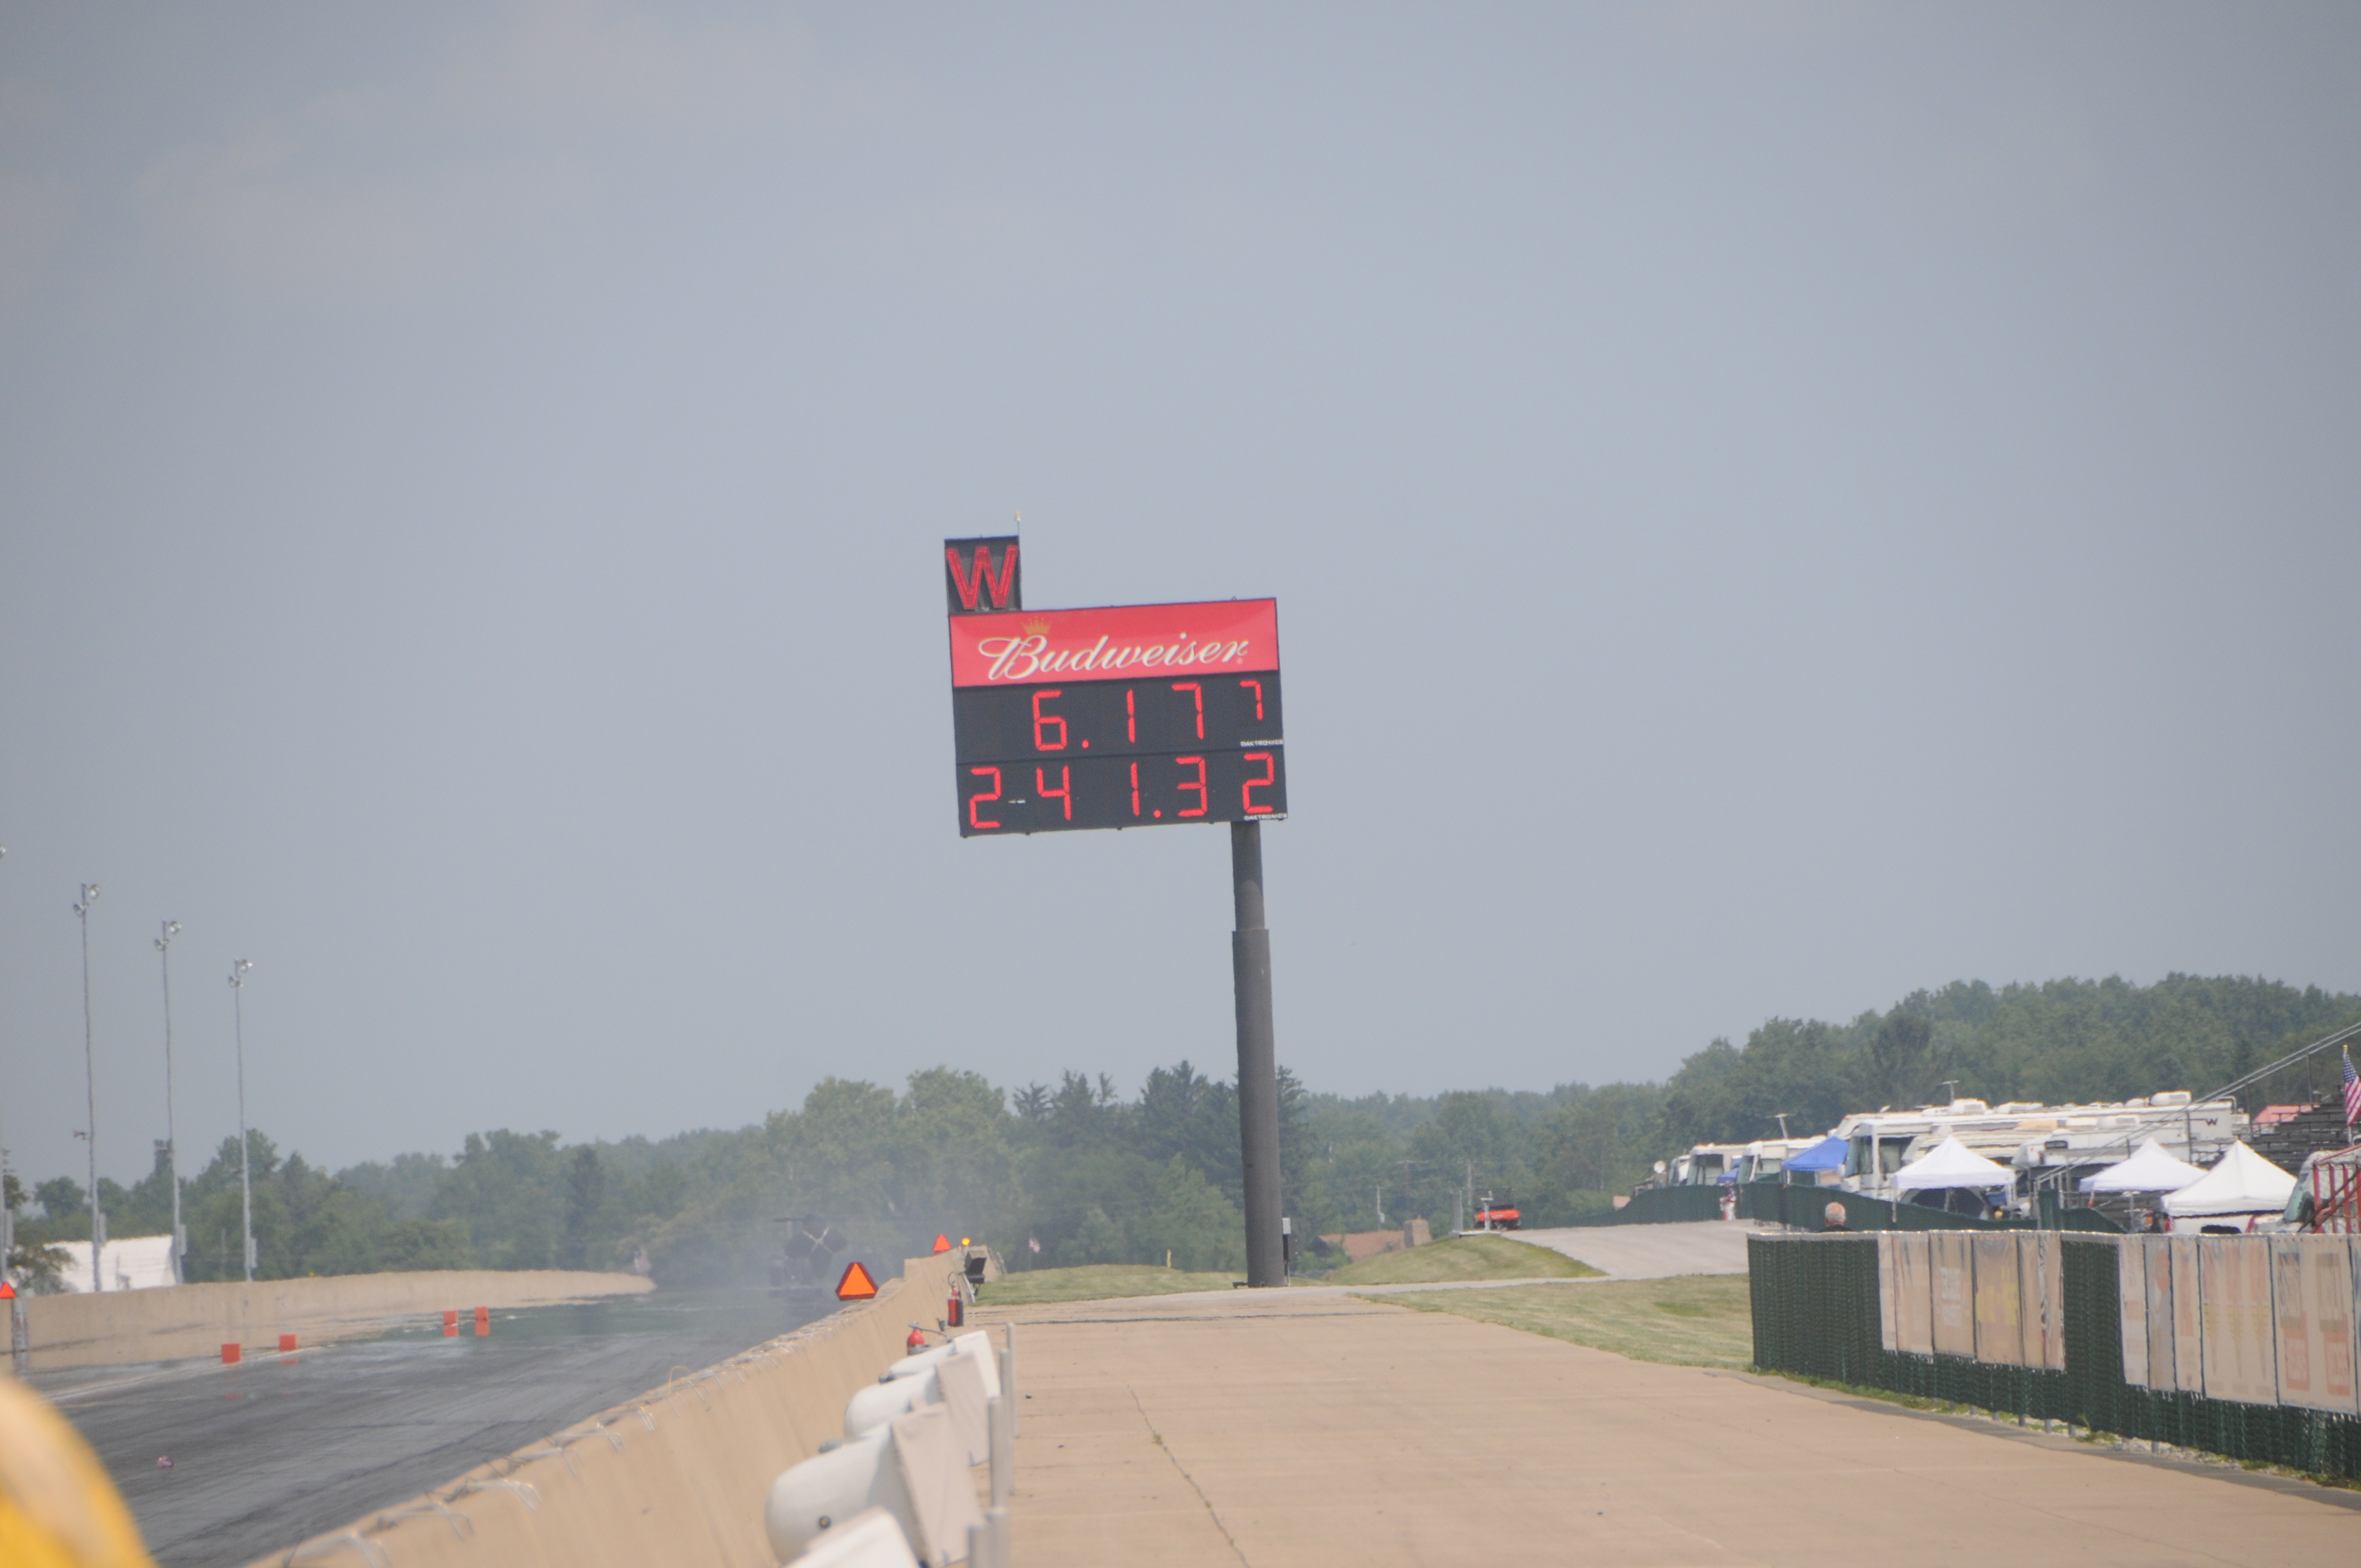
899,1491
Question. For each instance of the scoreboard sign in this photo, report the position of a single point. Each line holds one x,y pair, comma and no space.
1134,716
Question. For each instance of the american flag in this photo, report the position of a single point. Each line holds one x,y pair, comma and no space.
2352,1090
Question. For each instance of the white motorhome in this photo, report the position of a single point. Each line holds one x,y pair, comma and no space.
1704,1165
1766,1157
2047,1145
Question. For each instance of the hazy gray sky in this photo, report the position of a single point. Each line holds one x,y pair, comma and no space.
1771,507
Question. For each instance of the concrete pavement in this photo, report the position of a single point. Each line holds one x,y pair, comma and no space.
1278,1429
1652,1252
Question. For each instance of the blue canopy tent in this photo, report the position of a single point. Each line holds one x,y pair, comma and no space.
1828,1154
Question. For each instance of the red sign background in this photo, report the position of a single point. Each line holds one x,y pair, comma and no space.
1028,646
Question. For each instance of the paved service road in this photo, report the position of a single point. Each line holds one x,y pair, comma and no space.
270,1452
1652,1252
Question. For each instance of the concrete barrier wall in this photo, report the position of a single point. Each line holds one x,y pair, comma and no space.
176,1321
676,1477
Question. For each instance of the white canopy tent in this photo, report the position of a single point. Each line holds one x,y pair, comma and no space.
2243,1182
133,1263
2149,1170
1952,1164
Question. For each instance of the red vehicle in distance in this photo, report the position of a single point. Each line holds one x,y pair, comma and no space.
1498,1213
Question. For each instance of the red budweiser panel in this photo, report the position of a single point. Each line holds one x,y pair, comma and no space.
1116,643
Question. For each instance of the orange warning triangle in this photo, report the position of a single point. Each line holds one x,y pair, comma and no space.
856,1285
8,1291
943,1243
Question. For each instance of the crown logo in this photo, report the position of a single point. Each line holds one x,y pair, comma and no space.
1037,626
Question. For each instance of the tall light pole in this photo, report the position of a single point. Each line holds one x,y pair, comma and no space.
171,1136
90,1070
245,1156
7,1215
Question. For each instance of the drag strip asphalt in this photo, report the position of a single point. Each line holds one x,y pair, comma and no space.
277,1449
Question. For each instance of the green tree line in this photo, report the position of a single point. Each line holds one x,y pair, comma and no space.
1080,1172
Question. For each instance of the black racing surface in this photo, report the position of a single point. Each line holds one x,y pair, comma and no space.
276,1450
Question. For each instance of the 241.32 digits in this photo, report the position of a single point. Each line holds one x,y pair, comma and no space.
1141,790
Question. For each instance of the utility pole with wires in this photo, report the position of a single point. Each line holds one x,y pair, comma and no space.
172,1136
7,1214
244,1152
90,1070
1407,1164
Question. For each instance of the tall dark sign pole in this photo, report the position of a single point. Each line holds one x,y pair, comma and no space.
1257,1059
1134,716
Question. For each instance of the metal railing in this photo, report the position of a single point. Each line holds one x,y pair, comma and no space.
2350,1032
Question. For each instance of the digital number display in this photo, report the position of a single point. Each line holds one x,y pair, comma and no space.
1146,789
1131,716
1116,717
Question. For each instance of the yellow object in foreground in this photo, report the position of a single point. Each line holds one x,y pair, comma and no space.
58,1509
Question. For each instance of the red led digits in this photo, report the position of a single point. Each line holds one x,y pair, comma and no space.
1135,789
1258,691
1204,800
1197,695
975,800
1130,718
1041,722
1064,793
1269,778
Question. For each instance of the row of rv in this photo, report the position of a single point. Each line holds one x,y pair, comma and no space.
2045,1145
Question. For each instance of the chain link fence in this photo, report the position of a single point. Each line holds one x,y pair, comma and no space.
1663,1206
1805,1208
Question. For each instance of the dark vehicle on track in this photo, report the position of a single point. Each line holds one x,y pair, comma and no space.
805,1255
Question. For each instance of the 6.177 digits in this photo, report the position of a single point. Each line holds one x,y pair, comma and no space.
1073,720
1138,790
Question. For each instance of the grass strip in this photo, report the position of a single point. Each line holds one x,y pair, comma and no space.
1692,1320
1096,1282
1462,1257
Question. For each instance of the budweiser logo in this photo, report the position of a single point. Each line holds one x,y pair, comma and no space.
1113,642
1030,657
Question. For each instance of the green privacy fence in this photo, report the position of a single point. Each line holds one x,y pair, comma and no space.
1816,1311
1805,1207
